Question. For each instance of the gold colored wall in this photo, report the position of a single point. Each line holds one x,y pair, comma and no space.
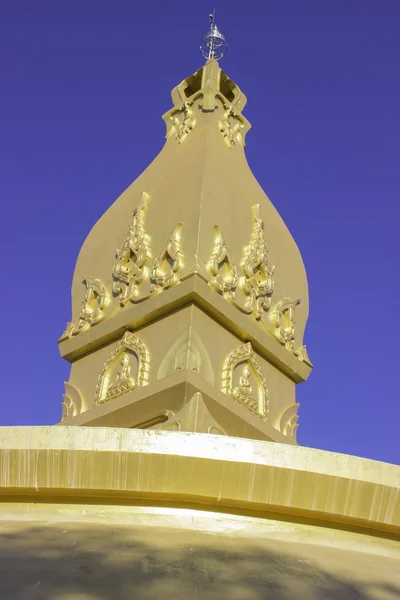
102,513
186,340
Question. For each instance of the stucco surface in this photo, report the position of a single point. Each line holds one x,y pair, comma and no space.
59,552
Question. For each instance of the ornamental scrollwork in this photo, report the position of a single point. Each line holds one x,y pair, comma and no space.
284,319
181,122
93,305
257,282
116,380
224,273
302,354
252,395
230,127
130,267
166,266
69,331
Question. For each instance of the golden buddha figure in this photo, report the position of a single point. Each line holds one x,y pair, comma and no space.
124,380
244,382
124,373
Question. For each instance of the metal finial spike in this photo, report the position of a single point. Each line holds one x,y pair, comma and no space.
213,44
211,18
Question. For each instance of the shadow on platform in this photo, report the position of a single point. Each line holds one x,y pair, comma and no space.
76,561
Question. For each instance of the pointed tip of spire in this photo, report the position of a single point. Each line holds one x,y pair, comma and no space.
211,17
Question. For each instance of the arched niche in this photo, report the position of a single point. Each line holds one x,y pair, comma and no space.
188,353
288,424
73,402
244,382
125,371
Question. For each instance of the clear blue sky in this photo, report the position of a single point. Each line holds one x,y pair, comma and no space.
84,85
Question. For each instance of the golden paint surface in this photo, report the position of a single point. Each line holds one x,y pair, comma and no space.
195,262
189,330
56,554
227,473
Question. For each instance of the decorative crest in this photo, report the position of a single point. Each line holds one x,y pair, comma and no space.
164,272
95,301
185,124
129,269
283,318
302,354
230,127
213,44
257,283
92,310
225,274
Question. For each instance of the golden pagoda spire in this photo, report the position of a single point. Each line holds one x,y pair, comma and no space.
195,291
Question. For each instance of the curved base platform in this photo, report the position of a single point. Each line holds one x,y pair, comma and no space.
95,514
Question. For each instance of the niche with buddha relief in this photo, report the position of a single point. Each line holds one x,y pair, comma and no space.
243,380
125,371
